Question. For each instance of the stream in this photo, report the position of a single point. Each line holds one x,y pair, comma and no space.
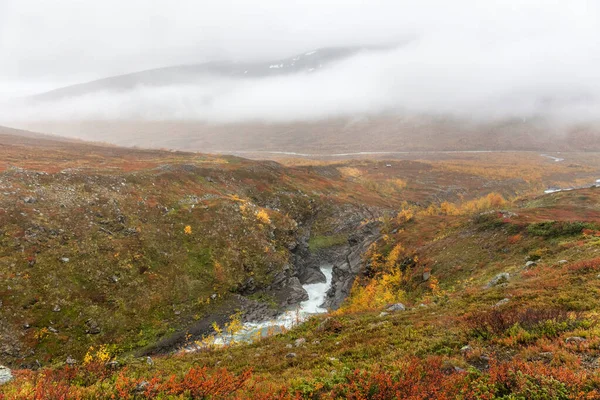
251,331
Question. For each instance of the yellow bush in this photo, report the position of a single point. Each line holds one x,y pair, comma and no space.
263,217
102,355
350,172
187,230
405,215
380,291
393,257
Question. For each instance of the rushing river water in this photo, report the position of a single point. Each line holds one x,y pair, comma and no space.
253,330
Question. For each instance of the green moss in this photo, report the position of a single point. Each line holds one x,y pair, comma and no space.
317,243
554,229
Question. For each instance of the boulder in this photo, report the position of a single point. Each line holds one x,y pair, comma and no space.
311,275
294,292
530,264
501,302
575,339
426,276
5,375
291,355
300,342
92,327
141,387
466,349
499,279
396,307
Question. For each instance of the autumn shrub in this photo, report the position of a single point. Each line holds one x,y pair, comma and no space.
196,383
385,277
526,324
554,229
416,379
405,215
585,266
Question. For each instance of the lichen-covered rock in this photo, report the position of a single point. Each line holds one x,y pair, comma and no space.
499,279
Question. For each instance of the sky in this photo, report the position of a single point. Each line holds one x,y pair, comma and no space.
464,56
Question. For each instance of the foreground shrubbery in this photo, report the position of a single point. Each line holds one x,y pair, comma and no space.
410,378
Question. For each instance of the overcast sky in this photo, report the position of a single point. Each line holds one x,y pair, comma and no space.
57,41
491,56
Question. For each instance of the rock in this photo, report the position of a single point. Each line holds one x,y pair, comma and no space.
26,326
64,259
29,200
308,276
350,263
501,302
499,279
213,296
396,307
316,342
289,346
291,355
112,364
149,361
71,361
563,262
530,264
51,329
5,375
141,387
56,308
426,276
295,293
114,279
383,314
323,325
575,339
92,327
300,342
466,349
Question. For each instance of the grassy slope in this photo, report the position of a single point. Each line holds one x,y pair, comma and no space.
118,215
548,303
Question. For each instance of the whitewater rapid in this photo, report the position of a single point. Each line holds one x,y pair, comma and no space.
254,330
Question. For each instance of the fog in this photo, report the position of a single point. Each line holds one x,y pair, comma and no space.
468,59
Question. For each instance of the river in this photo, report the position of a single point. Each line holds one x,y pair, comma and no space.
253,330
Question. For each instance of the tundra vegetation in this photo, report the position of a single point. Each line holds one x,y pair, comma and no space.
104,251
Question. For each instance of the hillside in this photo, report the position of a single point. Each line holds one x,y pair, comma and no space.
197,73
386,133
111,254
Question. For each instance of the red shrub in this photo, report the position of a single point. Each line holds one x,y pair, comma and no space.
585,266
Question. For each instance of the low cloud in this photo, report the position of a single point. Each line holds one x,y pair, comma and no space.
522,64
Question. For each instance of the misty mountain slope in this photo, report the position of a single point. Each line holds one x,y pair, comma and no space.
196,73
333,136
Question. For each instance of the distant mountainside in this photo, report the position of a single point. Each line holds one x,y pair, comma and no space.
13,136
185,74
383,133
